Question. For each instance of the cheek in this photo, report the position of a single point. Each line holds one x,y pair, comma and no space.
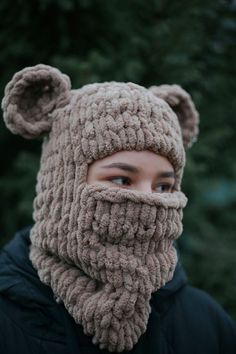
94,177
91,175
100,182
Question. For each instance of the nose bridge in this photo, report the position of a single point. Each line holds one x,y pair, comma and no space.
144,186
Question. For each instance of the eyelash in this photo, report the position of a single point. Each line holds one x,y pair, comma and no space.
121,177
168,187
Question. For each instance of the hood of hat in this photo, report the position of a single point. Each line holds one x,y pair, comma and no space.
100,120
112,116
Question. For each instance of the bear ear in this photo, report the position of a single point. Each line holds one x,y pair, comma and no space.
30,98
181,103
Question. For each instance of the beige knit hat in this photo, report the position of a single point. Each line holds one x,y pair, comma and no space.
99,119
103,251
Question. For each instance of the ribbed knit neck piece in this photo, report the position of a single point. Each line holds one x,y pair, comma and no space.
116,251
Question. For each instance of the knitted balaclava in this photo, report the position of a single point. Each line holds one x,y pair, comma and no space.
103,251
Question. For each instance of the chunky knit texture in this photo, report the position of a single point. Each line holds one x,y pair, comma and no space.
30,97
102,250
116,251
182,104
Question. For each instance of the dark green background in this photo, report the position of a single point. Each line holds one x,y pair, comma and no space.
191,43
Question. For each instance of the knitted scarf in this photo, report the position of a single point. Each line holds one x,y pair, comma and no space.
116,250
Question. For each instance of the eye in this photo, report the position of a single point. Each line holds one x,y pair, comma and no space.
164,188
120,180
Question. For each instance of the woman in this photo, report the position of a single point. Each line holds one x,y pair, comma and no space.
98,271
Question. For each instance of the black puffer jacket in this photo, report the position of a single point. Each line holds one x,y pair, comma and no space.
183,320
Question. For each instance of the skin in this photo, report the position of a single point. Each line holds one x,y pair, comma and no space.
143,171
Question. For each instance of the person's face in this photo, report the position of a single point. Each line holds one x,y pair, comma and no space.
143,171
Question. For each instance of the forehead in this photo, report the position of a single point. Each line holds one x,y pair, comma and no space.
144,160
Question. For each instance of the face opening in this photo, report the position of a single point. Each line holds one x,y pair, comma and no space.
143,171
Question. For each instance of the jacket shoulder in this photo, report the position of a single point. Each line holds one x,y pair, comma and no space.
202,306
16,336
196,320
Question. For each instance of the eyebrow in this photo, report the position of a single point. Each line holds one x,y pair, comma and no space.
133,169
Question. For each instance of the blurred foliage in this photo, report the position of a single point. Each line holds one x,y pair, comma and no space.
191,43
